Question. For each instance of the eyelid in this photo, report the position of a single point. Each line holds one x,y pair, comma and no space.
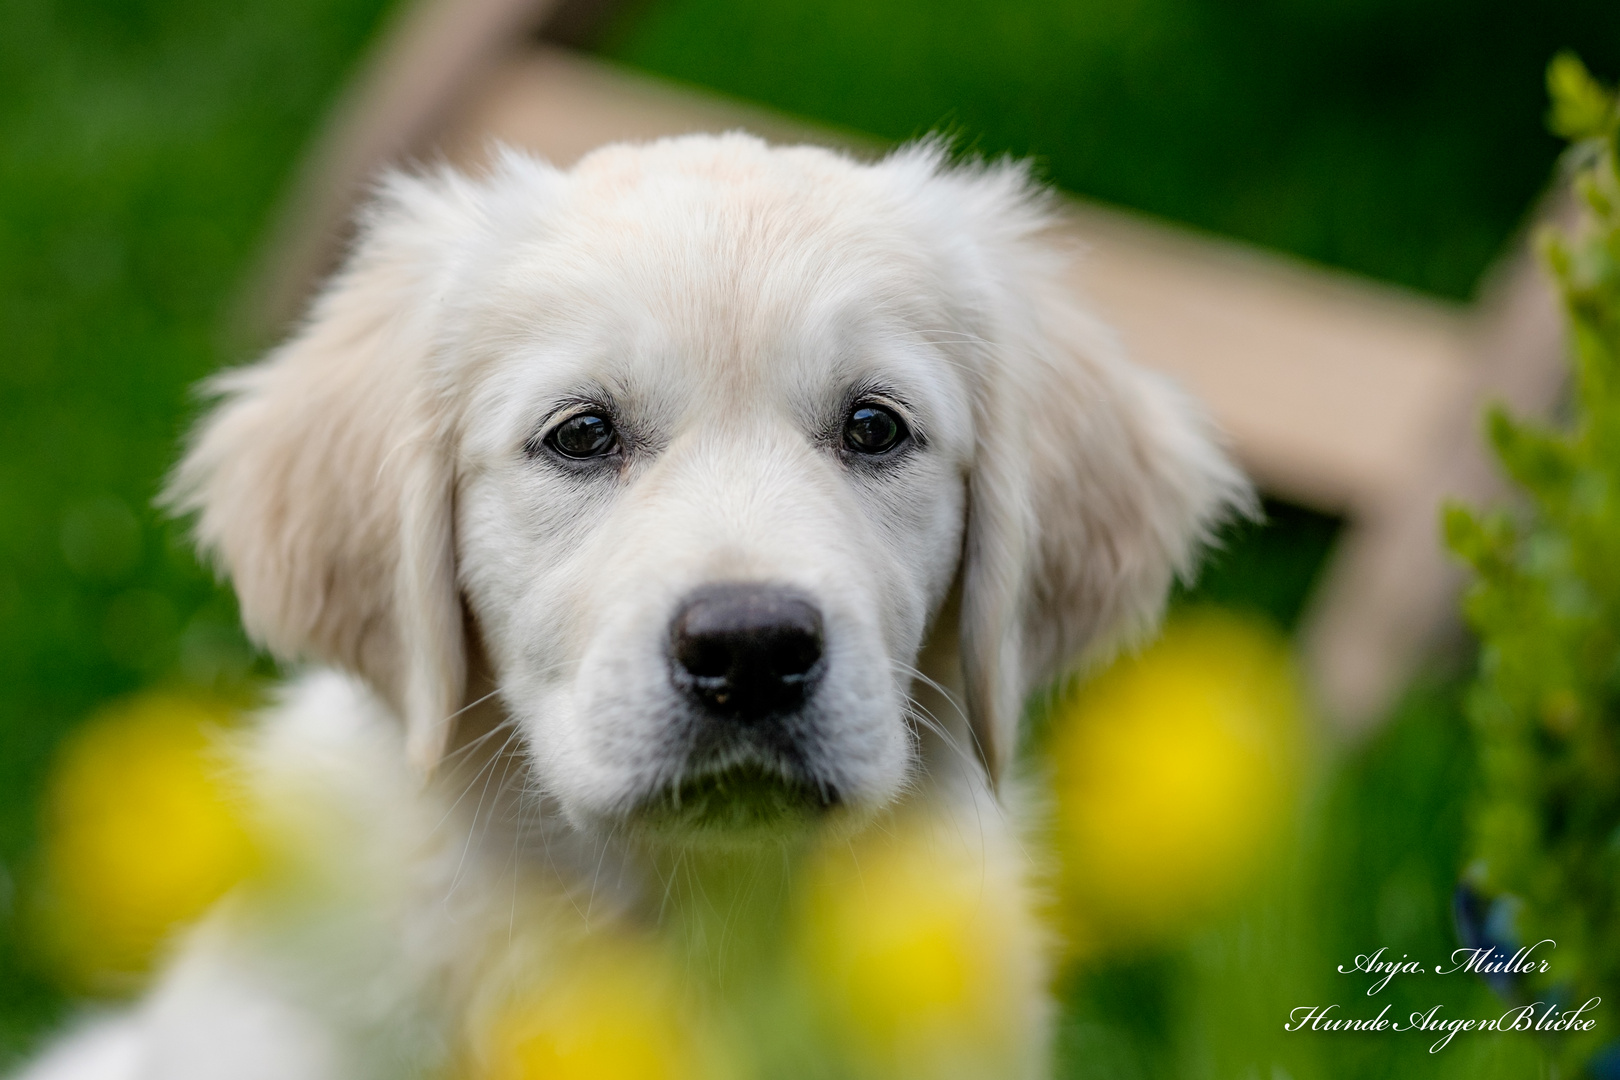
567,408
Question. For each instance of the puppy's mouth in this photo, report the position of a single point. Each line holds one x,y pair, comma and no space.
742,801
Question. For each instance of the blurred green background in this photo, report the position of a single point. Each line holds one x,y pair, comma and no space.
142,145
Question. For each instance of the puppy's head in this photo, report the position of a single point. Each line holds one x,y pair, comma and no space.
697,437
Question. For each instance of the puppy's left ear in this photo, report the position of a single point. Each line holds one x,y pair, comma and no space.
1094,484
323,480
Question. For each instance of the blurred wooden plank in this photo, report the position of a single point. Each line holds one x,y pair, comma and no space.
393,108
1390,593
562,105
1329,386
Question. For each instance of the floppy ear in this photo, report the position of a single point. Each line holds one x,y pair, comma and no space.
323,479
1094,482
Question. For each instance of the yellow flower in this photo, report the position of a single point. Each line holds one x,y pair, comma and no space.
1172,771
141,836
917,952
612,1013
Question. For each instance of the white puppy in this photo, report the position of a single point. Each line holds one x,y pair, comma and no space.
743,488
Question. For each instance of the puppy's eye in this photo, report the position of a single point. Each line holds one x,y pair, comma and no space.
587,435
873,429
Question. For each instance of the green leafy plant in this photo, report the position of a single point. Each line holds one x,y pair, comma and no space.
1545,603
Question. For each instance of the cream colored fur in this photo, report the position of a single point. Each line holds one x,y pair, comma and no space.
370,490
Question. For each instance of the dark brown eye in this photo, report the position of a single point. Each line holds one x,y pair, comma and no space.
872,429
587,435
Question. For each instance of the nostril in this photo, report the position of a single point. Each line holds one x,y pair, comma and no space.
747,651
705,656
793,653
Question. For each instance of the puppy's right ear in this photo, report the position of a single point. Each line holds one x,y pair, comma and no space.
323,479
1094,483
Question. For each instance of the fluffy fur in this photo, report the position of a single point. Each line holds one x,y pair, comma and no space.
374,491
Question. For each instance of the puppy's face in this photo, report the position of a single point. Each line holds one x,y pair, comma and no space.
700,434
712,485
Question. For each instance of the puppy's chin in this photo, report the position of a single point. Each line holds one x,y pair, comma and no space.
739,805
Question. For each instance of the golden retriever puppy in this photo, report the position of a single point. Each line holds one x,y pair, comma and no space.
695,501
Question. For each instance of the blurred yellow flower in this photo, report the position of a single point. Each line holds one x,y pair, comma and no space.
1172,771
142,834
914,950
613,1013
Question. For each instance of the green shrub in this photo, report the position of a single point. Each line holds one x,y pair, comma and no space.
1545,603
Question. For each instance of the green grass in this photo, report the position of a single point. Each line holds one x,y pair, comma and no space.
1266,567
142,144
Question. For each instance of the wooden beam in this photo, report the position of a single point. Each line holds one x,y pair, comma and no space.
1391,590
392,111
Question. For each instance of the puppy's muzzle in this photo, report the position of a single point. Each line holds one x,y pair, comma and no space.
746,653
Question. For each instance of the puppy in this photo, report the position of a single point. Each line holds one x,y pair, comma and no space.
704,497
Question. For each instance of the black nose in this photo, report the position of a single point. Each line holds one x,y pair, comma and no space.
746,652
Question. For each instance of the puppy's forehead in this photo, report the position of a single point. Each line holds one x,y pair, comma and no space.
720,265
718,186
